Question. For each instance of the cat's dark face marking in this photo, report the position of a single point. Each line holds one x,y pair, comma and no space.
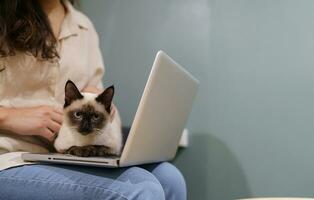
105,98
87,116
86,119
72,93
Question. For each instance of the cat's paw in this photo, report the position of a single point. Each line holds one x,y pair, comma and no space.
90,150
105,151
84,151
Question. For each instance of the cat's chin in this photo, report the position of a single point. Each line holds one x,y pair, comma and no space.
94,133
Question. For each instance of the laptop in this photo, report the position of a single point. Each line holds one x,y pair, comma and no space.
158,123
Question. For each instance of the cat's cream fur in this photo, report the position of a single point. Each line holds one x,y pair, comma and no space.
110,136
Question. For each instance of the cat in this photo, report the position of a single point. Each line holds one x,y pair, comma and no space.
87,128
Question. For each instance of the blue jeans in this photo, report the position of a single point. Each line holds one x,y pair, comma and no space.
58,182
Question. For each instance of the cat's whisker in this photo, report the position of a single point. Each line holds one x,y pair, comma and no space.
98,132
72,127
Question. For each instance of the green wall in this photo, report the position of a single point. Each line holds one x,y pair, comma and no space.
252,124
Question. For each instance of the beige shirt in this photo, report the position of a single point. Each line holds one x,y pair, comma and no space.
28,81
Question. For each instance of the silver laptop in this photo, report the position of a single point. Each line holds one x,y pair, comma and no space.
158,124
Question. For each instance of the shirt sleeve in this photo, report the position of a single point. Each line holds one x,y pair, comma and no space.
95,61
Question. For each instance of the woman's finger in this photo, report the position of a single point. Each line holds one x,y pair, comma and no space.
112,112
113,109
54,126
58,110
57,117
48,134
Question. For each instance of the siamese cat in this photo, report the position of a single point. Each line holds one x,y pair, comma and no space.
87,128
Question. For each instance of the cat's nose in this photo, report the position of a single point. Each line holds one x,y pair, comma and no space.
86,131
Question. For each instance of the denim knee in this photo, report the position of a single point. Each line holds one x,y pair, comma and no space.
172,181
151,191
145,184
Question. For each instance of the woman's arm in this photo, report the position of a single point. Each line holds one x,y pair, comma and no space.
44,121
91,89
3,116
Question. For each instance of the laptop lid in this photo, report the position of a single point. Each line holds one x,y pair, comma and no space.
162,113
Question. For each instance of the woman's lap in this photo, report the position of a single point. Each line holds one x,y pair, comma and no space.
171,180
78,182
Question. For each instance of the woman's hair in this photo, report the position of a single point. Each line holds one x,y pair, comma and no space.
25,27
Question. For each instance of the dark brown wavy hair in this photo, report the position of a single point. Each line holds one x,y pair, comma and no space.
25,27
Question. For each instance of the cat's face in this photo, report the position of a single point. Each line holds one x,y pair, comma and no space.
87,113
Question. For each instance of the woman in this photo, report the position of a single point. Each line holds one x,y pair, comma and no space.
43,43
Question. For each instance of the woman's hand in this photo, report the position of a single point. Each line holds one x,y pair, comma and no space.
112,111
44,121
91,89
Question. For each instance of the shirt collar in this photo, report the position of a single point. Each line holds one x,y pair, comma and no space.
72,23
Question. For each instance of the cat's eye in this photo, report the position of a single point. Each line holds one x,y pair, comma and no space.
78,115
96,116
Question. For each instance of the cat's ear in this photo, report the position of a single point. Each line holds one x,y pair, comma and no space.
71,93
106,97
